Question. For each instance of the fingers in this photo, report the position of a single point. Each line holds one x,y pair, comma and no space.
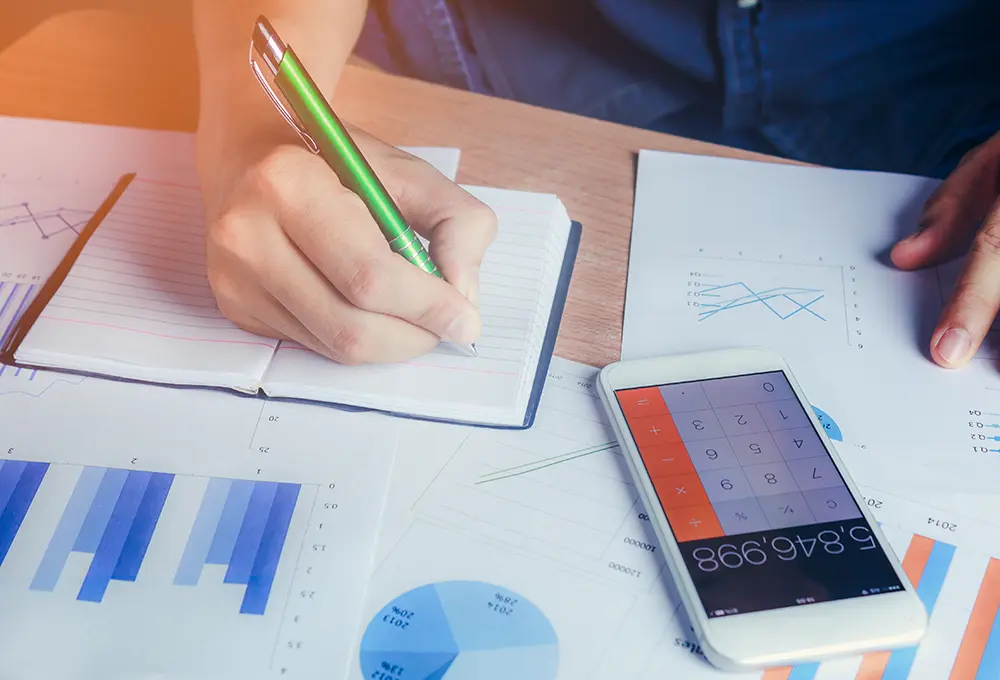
459,227
953,212
265,284
974,302
333,229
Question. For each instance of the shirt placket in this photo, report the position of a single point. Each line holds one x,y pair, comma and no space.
740,56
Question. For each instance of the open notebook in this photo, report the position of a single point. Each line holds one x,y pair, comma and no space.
132,301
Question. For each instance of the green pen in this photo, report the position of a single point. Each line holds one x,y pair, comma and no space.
325,134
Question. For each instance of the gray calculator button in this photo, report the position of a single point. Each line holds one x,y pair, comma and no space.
726,484
832,505
737,420
755,448
786,510
799,442
747,389
783,415
711,454
741,516
684,397
814,473
770,479
697,425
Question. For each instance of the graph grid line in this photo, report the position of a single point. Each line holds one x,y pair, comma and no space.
738,294
47,223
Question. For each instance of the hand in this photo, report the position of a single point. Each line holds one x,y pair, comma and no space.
964,209
293,254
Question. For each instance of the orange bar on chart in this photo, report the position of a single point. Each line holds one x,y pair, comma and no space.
641,402
873,666
977,632
917,553
915,559
777,673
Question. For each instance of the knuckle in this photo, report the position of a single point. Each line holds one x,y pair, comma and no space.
274,174
987,241
229,239
437,314
483,215
367,284
349,345
969,296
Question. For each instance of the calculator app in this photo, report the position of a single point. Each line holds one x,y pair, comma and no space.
762,516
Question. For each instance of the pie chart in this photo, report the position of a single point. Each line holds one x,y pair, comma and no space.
460,630
829,424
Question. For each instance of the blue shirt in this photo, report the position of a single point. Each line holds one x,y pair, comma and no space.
898,85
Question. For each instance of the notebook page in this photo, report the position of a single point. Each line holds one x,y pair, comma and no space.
137,302
518,279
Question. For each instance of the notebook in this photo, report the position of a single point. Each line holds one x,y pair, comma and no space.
132,301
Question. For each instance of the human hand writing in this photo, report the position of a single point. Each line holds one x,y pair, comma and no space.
294,254
964,210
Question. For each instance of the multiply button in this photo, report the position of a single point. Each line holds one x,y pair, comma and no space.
678,491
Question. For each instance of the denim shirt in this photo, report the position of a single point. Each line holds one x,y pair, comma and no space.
895,85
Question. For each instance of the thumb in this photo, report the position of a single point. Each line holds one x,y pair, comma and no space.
953,213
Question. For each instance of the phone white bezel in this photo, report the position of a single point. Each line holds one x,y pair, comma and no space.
775,637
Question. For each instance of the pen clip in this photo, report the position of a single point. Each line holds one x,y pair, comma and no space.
285,113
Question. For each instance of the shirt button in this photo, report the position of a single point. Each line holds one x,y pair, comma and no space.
746,4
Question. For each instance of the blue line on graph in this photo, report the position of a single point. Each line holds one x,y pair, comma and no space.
60,220
762,297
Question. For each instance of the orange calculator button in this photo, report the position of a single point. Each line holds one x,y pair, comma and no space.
654,431
678,491
694,523
641,402
669,460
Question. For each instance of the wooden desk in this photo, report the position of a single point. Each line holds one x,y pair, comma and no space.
130,75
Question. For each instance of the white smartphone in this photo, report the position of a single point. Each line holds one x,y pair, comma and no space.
775,556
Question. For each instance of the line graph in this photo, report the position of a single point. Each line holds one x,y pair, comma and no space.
47,223
782,301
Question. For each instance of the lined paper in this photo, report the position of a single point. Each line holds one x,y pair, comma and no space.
137,304
138,301
518,280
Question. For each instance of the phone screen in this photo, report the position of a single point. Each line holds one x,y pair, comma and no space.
760,512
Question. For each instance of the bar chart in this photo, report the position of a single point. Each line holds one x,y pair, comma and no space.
19,482
201,574
960,589
112,515
241,525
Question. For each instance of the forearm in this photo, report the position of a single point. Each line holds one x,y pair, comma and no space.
322,32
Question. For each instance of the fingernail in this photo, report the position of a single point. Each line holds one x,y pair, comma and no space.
954,345
464,329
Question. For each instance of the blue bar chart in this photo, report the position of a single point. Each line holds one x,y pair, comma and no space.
112,516
241,525
19,482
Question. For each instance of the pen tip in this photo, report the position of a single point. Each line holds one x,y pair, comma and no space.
473,350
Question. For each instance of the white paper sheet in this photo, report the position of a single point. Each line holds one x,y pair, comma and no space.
729,253
549,517
193,451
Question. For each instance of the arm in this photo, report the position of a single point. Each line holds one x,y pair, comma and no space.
233,109
291,252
